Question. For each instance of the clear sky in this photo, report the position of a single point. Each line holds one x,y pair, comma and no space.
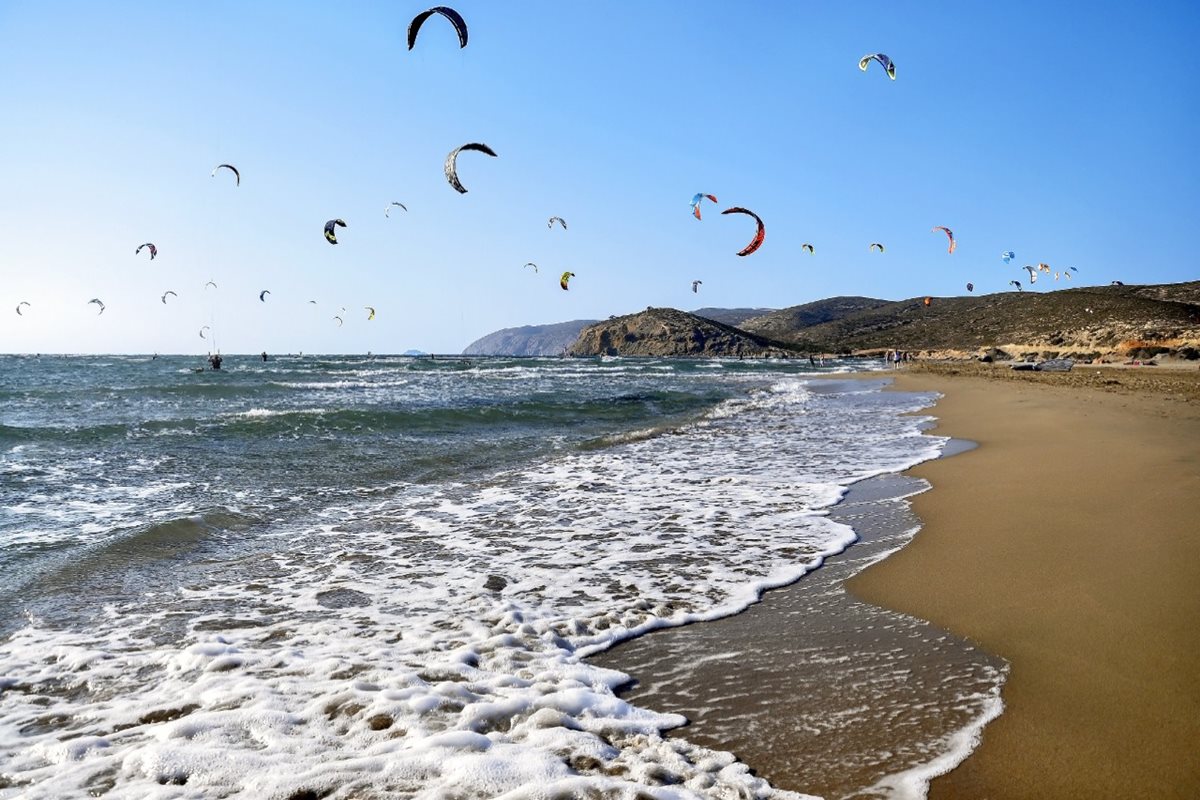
1066,132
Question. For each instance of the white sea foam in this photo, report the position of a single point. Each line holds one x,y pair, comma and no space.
428,643
267,413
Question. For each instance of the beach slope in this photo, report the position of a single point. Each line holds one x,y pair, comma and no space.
1069,544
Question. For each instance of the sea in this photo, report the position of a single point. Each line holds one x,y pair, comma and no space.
392,577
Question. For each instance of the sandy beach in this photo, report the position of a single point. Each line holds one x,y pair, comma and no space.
1068,543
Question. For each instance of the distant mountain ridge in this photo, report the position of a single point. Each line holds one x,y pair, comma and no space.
529,340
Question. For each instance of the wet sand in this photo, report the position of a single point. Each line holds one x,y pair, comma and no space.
816,691
1068,543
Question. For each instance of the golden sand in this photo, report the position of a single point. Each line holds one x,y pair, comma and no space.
1068,543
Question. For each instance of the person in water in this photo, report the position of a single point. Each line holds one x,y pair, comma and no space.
264,355
215,360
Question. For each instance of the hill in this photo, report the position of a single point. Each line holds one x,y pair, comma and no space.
1085,320
782,324
554,339
731,316
669,332
529,340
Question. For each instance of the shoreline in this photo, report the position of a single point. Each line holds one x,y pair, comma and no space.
861,700
1025,550
1066,543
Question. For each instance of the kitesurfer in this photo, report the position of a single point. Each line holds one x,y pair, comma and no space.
264,355
214,361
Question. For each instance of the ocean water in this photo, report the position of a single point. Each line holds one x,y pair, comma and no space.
354,577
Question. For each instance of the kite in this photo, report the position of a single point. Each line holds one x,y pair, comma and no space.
561,221
210,283
168,292
387,211
153,250
237,175
330,236
949,234
883,60
339,321
809,248
1118,283
98,302
460,25
696,198
874,245
1008,255
1016,284
262,296
759,235
928,300
22,303
1044,268
202,330
452,163
970,287
370,316
1032,273
695,284
531,264
566,277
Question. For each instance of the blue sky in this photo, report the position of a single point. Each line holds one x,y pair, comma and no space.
1065,132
